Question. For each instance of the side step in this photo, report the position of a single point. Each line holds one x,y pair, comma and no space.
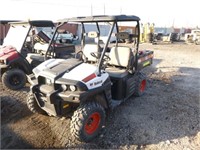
115,103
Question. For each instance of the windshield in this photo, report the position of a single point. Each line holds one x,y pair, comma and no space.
16,36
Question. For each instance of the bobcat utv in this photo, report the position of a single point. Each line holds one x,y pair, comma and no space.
23,50
105,76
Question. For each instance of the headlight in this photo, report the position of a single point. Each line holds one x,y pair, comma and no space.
72,88
64,87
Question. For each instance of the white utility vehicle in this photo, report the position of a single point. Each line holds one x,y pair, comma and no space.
104,77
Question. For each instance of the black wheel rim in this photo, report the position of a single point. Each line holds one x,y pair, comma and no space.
15,80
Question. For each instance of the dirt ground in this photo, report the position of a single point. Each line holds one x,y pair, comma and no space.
167,117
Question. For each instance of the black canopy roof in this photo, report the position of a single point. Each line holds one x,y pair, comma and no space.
37,23
42,23
7,21
102,18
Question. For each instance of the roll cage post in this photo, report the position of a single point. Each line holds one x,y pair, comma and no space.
137,45
52,39
30,28
104,49
98,55
82,34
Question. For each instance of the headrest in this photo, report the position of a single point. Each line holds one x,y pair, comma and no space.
62,31
92,34
122,35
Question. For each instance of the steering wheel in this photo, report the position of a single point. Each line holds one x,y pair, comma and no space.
107,58
80,54
94,55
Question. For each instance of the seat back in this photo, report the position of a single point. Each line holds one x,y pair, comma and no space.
41,48
88,49
120,56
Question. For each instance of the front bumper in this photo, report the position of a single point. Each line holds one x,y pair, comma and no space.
58,102
52,101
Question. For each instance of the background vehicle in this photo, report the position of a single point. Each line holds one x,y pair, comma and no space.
105,76
4,27
105,38
66,37
24,49
193,37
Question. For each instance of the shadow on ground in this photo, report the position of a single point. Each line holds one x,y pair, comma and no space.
12,111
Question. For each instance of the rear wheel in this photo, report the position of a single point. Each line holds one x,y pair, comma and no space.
32,104
14,79
141,84
87,121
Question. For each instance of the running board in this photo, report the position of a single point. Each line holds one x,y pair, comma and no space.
115,103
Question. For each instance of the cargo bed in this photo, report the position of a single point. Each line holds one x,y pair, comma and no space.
145,58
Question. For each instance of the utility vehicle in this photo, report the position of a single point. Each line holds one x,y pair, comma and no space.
104,77
66,37
193,37
23,49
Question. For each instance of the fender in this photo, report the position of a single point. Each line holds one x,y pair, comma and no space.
14,60
101,99
8,53
102,94
20,63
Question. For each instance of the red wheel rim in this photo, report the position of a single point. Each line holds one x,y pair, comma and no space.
142,85
92,123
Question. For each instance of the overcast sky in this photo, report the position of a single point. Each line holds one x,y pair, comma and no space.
160,12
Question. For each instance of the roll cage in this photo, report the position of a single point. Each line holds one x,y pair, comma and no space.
113,21
13,33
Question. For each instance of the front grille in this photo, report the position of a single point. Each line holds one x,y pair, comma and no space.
41,80
48,83
57,86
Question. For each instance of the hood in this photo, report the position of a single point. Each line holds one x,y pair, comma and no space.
80,72
86,74
8,53
70,71
53,68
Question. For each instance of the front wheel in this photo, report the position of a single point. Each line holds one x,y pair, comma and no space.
32,104
14,79
87,121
